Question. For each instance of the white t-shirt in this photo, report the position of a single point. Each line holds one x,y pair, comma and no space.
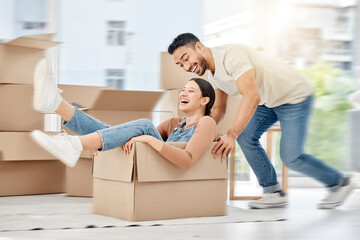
277,82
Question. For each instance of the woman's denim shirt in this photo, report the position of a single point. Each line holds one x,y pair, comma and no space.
181,135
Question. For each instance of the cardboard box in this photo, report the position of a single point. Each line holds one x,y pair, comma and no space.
25,168
145,186
18,57
110,105
17,109
79,180
169,102
171,75
232,107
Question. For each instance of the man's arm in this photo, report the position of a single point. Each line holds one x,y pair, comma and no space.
219,108
246,85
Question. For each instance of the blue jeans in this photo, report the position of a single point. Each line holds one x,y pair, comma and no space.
112,137
293,120
116,136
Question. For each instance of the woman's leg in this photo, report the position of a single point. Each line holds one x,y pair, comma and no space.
80,122
65,110
118,135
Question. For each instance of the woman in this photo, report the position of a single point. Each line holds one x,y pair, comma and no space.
197,128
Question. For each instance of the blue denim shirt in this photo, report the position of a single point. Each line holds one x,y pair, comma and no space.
181,135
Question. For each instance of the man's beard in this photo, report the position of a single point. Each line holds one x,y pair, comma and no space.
202,64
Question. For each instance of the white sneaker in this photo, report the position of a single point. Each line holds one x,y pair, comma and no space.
58,145
337,198
270,200
46,94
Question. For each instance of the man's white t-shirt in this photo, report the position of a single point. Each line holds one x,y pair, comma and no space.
277,82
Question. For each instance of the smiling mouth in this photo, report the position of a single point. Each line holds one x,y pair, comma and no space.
183,101
194,68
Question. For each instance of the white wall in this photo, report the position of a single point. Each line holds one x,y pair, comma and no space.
7,29
84,54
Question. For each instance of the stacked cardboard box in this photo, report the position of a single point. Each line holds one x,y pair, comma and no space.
25,168
110,106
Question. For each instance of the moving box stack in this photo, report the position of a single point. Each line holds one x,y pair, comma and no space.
146,186
25,168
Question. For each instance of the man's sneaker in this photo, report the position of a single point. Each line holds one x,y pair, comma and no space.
46,94
58,145
337,198
270,200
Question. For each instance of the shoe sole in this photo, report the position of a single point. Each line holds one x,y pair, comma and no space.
337,204
40,74
263,206
34,134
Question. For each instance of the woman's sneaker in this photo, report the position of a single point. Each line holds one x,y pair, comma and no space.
338,197
59,145
46,94
270,200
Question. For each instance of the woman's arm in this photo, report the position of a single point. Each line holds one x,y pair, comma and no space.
200,142
153,142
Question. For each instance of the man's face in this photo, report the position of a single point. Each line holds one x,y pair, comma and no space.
190,60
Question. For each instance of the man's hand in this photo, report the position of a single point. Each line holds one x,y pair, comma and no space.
225,145
128,145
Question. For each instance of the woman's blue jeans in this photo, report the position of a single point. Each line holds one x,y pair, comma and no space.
293,120
111,136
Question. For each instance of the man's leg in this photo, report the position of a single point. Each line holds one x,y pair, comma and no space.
249,141
294,120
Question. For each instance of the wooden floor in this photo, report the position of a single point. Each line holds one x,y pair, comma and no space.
304,222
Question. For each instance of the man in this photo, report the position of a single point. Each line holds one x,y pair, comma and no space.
271,91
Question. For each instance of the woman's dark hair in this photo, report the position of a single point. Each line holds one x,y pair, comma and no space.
188,39
206,91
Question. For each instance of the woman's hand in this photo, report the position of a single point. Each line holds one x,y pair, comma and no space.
128,146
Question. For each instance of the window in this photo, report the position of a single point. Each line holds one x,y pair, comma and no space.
115,78
33,25
116,33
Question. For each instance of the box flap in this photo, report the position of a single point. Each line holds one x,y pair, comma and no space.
114,165
151,166
106,98
87,154
171,75
19,146
41,41
123,100
46,36
84,96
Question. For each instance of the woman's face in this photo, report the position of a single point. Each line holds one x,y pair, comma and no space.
191,98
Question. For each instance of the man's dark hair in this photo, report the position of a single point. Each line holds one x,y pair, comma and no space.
206,91
188,39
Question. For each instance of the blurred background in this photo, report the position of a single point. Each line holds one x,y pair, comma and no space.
117,43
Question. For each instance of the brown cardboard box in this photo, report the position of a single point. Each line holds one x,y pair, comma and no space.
145,186
19,57
112,106
169,102
25,168
171,75
232,107
17,110
79,180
